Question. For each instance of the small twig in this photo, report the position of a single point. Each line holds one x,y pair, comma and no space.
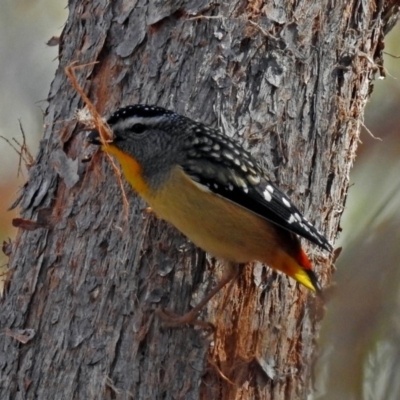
374,64
219,372
272,37
8,141
23,151
391,55
206,17
370,133
262,30
28,158
110,383
101,126
104,130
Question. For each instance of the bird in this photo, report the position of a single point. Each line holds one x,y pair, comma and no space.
212,190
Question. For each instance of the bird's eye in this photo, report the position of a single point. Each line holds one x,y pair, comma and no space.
138,128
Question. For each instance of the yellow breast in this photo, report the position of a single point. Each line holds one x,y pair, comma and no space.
131,169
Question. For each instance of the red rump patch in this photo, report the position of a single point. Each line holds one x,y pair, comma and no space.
303,260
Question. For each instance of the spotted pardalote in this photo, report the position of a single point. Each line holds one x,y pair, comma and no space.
210,188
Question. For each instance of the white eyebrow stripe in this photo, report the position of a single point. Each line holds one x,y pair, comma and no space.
128,122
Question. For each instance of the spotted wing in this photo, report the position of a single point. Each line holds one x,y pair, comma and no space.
257,194
224,167
266,200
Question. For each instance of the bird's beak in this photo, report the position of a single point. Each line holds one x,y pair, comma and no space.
93,137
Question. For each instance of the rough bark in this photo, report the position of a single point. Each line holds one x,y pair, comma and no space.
290,80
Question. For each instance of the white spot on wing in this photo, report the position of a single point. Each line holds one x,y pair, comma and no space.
227,155
216,147
285,202
270,188
291,219
267,195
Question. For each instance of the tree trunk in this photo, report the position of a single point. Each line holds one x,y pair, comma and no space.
290,80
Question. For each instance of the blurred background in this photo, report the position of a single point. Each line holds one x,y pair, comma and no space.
360,338
27,67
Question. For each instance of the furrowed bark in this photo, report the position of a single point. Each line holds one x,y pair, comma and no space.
290,81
